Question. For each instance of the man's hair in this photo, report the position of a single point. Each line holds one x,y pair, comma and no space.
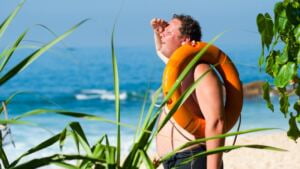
189,27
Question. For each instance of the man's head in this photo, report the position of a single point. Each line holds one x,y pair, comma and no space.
181,29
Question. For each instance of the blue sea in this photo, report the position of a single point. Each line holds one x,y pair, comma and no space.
81,80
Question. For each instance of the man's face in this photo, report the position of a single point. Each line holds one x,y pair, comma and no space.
171,38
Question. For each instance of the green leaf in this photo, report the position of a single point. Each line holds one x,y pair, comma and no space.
66,165
226,149
39,162
3,157
293,14
283,57
62,139
297,34
32,57
39,147
298,57
146,159
297,106
285,74
280,17
9,52
293,132
19,122
270,62
77,129
260,21
298,118
8,20
284,103
297,92
203,140
266,96
8,100
117,96
268,30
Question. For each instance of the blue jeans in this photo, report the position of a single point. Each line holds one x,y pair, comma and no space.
198,163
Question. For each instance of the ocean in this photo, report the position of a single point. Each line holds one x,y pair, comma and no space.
81,80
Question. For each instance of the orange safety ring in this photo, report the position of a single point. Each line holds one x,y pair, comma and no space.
191,122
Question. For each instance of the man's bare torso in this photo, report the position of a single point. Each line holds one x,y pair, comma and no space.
172,135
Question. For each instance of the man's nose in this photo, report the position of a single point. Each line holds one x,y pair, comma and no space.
162,34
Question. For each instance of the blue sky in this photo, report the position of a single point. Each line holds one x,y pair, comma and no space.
237,17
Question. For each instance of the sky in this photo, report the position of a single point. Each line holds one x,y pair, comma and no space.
236,17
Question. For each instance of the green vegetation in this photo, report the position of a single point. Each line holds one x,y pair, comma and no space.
102,154
280,36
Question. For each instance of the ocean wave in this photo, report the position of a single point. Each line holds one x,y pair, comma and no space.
101,94
108,95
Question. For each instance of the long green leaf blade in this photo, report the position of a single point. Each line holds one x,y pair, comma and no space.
3,157
8,100
77,129
10,51
8,20
66,165
229,148
72,114
39,162
39,147
146,159
32,57
202,140
117,96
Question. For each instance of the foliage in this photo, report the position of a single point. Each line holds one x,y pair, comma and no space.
102,154
280,36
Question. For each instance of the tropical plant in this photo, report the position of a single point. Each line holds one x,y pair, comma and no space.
280,36
102,154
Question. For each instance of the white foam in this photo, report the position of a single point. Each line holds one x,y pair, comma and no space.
86,97
89,94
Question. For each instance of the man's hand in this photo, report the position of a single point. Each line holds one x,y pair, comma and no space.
158,25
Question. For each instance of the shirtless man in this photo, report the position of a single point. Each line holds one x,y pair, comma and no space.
207,98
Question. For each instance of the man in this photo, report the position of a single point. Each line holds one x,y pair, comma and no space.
207,98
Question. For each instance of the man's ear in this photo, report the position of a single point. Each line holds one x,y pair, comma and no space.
186,40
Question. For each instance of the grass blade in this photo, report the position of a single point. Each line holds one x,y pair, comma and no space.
77,129
117,95
72,114
62,139
98,152
202,140
8,20
8,100
39,147
146,159
141,116
39,162
3,156
9,52
65,165
32,57
227,149
12,121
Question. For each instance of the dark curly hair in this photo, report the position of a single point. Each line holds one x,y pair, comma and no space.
189,27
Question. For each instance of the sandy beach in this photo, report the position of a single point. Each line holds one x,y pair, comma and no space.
246,158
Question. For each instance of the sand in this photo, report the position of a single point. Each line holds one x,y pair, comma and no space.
246,158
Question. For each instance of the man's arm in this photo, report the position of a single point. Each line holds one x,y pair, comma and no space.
210,99
158,26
